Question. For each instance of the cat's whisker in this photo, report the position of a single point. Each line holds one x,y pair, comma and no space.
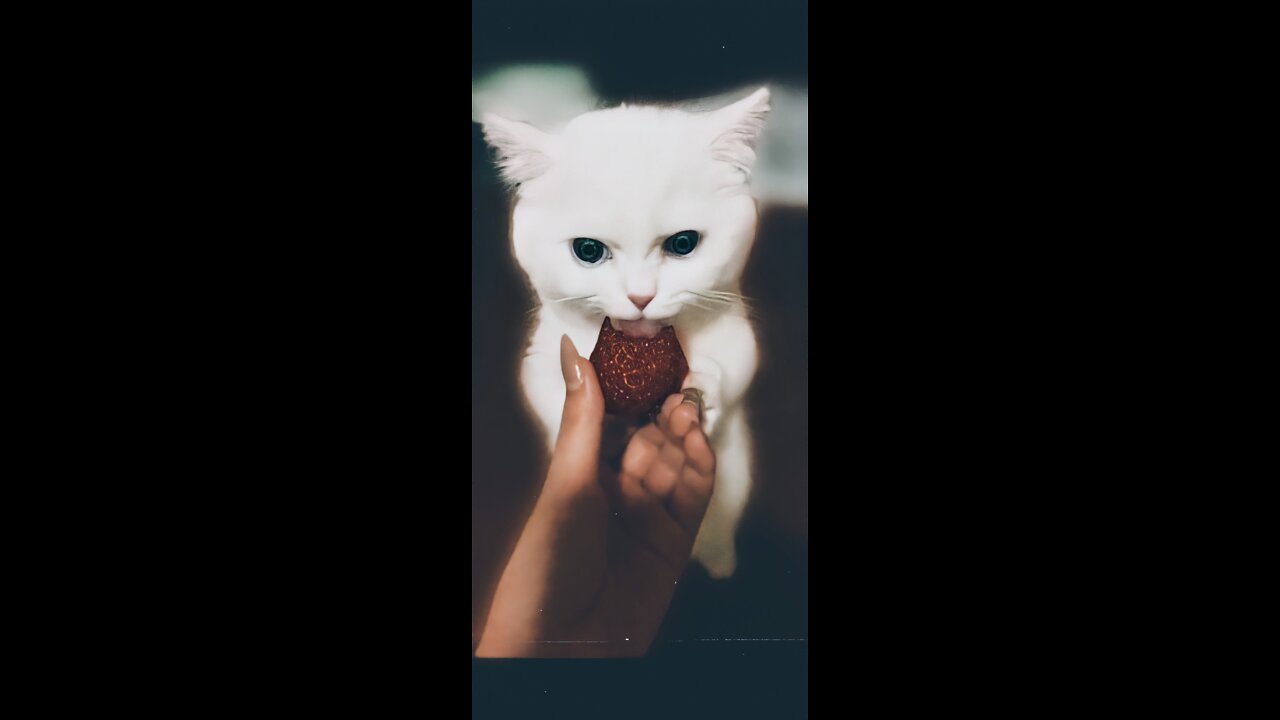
735,297
700,294
700,306
589,300
722,302
711,298
693,298
731,296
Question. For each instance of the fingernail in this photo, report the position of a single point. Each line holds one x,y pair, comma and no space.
569,364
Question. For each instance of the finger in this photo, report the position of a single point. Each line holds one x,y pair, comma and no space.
689,499
699,452
671,403
653,434
663,474
667,406
694,396
651,523
641,453
682,418
577,452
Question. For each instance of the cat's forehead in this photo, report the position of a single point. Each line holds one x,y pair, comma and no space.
640,154
646,138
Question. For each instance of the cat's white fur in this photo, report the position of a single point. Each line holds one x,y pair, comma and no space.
631,177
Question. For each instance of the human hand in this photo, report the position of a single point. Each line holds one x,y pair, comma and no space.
596,566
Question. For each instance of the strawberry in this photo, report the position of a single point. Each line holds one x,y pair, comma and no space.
638,373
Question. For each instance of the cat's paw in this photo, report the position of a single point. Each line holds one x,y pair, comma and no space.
710,388
719,560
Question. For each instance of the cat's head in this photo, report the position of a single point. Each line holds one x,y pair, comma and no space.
631,212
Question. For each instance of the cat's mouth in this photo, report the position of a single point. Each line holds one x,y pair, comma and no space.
638,328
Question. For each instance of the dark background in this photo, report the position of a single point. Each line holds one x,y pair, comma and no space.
656,50
1034,365
651,51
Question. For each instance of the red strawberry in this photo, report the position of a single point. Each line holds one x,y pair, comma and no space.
638,373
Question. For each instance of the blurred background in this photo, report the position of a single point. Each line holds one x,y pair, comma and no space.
546,62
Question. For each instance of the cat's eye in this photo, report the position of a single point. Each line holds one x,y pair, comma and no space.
682,243
590,251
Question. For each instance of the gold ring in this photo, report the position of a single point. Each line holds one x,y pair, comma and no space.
693,396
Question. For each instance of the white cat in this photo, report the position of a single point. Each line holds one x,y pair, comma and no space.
644,215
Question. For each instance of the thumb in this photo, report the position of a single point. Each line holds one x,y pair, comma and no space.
577,450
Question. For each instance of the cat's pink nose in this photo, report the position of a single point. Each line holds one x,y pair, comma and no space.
640,301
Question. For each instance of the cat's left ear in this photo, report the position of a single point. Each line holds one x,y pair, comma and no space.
737,129
524,152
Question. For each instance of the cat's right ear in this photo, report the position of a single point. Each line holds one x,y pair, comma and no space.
524,152
738,128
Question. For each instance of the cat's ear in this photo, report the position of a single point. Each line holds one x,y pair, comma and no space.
524,152
737,128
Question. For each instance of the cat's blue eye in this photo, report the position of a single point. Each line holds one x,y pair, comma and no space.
682,243
590,251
